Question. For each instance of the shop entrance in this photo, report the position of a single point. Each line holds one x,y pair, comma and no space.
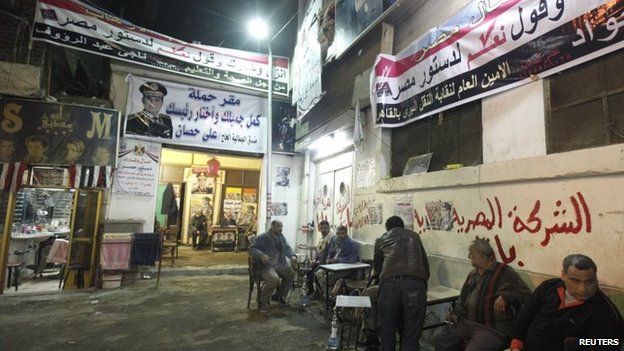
210,201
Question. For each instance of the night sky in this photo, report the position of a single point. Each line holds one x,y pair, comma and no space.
211,22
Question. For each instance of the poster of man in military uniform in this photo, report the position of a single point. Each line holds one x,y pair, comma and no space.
150,122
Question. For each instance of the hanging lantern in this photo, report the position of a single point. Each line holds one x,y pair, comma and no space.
213,167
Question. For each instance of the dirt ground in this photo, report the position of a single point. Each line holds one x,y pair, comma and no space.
183,313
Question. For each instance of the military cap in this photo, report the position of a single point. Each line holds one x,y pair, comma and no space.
153,89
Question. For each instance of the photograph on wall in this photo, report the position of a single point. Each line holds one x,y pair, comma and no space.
232,203
375,213
201,183
43,133
279,209
284,124
404,208
201,202
439,215
282,176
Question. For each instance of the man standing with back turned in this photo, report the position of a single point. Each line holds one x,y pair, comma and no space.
401,263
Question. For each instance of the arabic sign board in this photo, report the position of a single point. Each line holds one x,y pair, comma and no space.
74,24
137,173
40,133
488,47
203,117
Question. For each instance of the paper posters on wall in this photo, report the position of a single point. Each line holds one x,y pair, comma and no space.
279,209
404,208
323,198
439,215
375,213
365,174
282,176
233,202
137,173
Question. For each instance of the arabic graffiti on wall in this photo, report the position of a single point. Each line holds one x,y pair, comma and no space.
205,117
367,212
541,221
73,23
487,47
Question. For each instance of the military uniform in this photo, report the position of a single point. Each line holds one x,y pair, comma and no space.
142,123
146,123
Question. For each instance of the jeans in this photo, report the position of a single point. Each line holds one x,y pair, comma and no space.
401,307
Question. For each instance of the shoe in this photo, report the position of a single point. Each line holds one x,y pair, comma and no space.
279,299
263,309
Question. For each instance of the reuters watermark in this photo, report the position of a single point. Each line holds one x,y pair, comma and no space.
598,344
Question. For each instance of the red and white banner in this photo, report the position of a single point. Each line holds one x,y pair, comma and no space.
74,24
488,47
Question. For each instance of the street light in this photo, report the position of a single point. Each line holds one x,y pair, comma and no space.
259,29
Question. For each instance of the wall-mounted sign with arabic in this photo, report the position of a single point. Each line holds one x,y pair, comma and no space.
43,133
186,115
74,24
488,47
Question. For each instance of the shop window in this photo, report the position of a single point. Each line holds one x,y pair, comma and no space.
234,177
586,105
453,136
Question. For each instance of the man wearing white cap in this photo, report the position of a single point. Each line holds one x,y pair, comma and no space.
150,121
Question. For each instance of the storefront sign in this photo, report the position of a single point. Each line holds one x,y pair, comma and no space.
488,47
74,24
137,173
42,133
192,116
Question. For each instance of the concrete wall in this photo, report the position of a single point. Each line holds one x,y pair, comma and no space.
291,195
534,208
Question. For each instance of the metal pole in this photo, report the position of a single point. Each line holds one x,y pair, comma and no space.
269,137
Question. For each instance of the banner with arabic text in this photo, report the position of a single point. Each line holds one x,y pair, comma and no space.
308,90
45,133
200,117
74,24
488,47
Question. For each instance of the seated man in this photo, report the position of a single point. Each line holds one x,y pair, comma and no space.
197,228
490,299
321,255
341,249
570,307
271,248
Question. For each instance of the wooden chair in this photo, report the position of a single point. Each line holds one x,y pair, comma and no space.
255,278
170,242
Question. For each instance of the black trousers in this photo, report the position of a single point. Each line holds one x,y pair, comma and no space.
401,307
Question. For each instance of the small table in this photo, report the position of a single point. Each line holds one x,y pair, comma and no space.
437,295
339,267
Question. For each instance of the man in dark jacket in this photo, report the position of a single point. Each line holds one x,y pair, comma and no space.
490,298
571,311
272,249
400,262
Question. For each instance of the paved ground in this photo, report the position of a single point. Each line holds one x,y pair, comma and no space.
184,313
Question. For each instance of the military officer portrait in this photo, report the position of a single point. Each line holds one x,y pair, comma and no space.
150,121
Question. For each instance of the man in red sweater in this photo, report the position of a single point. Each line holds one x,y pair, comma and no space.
570,311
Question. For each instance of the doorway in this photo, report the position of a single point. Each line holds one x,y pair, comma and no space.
214,211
